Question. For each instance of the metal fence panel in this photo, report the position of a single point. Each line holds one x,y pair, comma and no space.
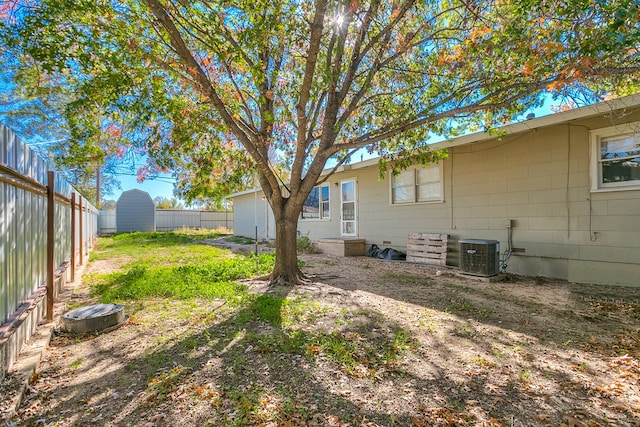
4,304
92,231
172,219
42,239
59,234
20,290
169,219
3,144
86,237
23,222
11,296
10,152
27,235
217,219
107,222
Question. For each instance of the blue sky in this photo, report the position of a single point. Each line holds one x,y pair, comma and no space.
156,188
163,186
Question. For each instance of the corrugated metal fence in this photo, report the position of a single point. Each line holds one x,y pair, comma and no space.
173,219
170,219
107,221
45,227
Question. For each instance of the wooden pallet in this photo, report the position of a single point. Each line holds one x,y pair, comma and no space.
427,248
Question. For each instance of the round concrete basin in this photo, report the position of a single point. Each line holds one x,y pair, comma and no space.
93,318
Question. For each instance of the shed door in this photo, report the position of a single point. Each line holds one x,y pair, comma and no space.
348,208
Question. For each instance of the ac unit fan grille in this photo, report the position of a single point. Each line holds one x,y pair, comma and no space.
479,257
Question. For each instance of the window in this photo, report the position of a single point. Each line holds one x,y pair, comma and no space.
415,185
348,207
615,158
317,204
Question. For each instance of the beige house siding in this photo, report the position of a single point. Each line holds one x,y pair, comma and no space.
250,210
539,179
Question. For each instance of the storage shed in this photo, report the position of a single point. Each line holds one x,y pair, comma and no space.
135,211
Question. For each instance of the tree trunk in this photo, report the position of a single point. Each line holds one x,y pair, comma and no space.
286,271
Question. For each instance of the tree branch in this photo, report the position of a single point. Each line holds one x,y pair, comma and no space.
206,87
394,129
305,90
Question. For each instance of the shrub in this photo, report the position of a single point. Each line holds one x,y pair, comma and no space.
306,246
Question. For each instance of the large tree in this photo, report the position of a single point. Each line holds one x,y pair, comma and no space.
219,90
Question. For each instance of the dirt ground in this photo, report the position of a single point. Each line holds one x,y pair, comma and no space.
520,352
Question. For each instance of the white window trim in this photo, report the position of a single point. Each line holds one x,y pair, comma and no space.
355,208
321,217
325,216
595,172
422,202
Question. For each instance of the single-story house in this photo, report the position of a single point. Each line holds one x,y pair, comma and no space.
565,188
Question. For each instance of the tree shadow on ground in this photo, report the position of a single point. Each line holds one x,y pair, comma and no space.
577,311
278,362
559,339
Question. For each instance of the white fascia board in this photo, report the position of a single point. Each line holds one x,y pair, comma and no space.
544,121
527,125
243,193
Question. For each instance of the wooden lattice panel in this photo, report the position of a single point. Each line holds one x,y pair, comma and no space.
427,248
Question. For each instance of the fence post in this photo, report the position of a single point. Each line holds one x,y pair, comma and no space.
51,244
80,229
73,237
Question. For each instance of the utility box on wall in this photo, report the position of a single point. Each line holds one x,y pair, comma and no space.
479,257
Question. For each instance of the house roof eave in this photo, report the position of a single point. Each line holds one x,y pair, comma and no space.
544,121
604,107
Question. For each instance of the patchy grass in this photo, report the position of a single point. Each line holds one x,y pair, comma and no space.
240,240
380,344
171,265
132,244
208,281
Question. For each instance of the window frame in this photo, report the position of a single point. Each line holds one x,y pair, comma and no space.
415,187
323,214
597,136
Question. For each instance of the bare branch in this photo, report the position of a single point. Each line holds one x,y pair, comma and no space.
206,87
305,89
426,117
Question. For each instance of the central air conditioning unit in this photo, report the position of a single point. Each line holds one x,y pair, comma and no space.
479,257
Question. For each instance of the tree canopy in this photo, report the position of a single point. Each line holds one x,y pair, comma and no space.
36,114
221,90
164,203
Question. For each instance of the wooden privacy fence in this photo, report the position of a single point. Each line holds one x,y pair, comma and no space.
45,231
